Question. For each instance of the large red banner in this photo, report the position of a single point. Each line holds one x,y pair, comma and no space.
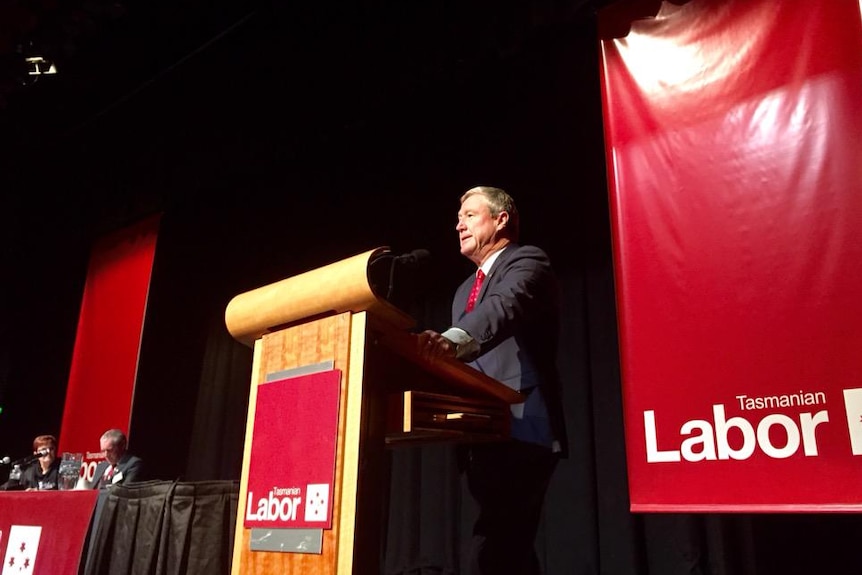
734,145
105,359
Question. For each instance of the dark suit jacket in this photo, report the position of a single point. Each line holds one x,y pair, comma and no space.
516,323
129,469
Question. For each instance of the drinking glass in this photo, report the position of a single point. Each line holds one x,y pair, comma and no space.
70,470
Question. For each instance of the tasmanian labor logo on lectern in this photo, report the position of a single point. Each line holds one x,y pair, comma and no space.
292,465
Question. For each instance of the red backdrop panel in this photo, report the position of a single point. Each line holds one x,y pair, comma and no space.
105,358
734,145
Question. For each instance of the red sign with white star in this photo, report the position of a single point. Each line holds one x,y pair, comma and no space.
33,542
292,465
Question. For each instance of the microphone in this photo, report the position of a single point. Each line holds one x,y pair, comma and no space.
30,458
409,260
413,258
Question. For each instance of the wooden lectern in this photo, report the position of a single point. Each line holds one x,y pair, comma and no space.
389,396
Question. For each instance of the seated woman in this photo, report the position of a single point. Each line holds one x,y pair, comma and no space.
40,471
45,474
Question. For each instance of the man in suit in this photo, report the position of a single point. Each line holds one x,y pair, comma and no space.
506,324
119,466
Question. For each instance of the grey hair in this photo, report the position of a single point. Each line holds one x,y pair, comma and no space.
498,201
116,437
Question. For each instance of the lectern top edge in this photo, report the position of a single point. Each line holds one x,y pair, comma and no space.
345,285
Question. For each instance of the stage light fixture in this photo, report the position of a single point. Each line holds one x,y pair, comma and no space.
39,66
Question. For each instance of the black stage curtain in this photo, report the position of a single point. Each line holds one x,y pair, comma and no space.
164,528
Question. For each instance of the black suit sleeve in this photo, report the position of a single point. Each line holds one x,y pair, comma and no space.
134,471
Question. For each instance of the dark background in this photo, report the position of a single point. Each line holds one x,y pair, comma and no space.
275,138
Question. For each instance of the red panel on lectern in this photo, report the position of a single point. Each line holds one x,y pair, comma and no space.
734,146
292,465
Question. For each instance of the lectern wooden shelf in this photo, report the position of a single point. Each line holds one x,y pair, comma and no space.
389,396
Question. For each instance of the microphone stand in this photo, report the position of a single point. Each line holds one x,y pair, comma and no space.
25,461
391,279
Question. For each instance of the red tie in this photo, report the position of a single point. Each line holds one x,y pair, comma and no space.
474,293
109,474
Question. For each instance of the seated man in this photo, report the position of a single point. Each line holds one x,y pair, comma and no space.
119,466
